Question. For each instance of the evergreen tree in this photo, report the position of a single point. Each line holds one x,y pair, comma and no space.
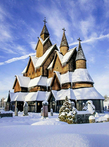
66,113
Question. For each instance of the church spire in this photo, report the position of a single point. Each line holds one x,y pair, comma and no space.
80,57
44,33
64,47
80,53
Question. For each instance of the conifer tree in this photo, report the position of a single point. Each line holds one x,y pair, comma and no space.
66,113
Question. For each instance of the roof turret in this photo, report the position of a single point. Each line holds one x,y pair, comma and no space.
64,40
80,54
44,33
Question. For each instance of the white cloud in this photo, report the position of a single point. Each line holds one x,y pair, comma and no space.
33,45
16,59
56,21
87,26
91,39
1,63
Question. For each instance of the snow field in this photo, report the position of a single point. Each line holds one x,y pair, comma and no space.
34,131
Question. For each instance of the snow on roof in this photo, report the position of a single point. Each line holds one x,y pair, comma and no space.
44,41
28,83
23,81
41,60
34,82
81,75
43,96
87,94
51,64
24,70
68,55
18,96
64,59
34,60
58,75
60,95
66,78
49,80
37,62
6,99
42,81
31,96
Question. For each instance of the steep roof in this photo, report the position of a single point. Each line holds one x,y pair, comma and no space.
44,30
60,95
28,83
64,40
80,54
18,96
43,41
42,59
31,96
38,62
23,81
79,75
87,94
63,58
41,81
77,94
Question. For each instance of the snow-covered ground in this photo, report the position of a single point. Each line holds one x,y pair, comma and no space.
34,131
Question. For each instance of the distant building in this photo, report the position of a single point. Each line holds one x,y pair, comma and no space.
52,75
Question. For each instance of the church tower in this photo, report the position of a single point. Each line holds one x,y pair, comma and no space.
43,41
44,34
64,44
80,57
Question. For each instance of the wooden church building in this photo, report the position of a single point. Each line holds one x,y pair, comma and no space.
53,74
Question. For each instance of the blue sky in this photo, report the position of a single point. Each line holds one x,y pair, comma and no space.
21,22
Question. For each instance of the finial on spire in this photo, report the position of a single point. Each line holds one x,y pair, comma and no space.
44,21
64,29
79,39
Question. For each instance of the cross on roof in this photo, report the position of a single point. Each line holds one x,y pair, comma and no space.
44,20
64,29
79,39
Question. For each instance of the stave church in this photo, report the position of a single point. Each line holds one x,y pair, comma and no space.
52,74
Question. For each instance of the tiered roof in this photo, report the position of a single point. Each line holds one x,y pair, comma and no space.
38,81
30,96
79,75
73,94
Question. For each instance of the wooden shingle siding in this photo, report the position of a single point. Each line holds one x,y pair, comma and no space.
80,64
30,70
39,49
82,85
17,87
37,88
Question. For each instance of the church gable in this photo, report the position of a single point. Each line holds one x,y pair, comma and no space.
39,49
16,86
47,62
58,66
55,84
46,45
30,72
42,46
